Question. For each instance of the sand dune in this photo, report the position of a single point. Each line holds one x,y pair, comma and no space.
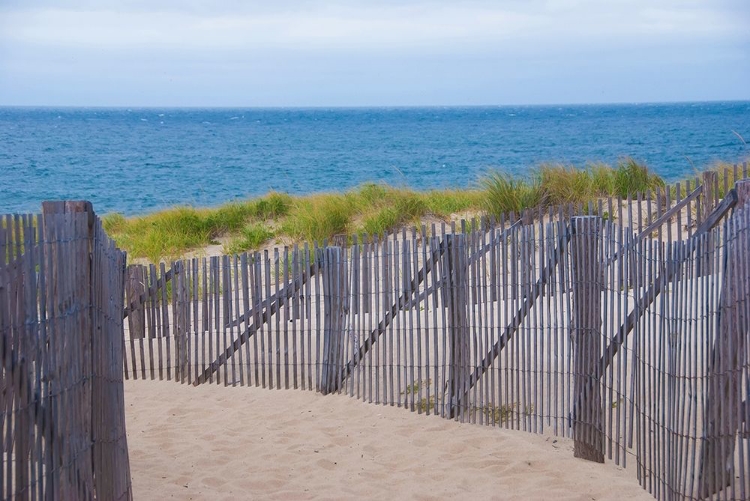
229,443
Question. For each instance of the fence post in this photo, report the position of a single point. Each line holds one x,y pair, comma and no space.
586,320
455,262
724,408
81,298
135,285
334,304
743,192
710,199
181,303
710,180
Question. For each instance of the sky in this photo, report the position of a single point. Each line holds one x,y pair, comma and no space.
371,53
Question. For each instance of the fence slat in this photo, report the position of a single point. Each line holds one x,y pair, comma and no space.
334,285
585,336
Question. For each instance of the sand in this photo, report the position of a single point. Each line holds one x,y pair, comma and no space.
214,442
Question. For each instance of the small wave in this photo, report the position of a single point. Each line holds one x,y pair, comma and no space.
234,118
144,119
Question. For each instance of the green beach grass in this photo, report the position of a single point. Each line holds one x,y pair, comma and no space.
372,209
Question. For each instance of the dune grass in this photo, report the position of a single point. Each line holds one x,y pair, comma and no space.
505,194
170,233
252,236
557,184
372,209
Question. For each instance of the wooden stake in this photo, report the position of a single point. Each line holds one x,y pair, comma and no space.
586,337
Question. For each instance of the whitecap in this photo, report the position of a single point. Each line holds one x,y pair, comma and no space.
144,119
234,118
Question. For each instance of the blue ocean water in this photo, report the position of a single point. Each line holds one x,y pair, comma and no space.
138,160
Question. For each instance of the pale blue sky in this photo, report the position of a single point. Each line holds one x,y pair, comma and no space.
379,53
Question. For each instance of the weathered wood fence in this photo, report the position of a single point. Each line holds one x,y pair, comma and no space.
62,413
622,325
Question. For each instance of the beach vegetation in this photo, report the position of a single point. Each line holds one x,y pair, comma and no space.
319,217
377,209
162,235
562,185
503,413
505,194
632,177
426,404
416,386
250,238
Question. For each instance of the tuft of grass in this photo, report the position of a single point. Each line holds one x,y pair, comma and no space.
444,203
505,194
424,404
381,222
320,217
395,209
272,206
498,414
114,223
632,177
163,235
410,206
227,218
569,185
384,210
503,413
251,237
373,194
602,179
564,185
416,386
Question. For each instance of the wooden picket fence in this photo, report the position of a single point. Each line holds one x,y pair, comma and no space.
62,409
623,325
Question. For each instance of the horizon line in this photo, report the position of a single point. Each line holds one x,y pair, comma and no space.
366,106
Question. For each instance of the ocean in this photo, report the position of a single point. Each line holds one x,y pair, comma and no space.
136,161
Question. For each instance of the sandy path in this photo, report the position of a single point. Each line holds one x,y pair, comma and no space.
228,443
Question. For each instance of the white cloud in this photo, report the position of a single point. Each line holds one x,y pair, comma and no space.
348,28
378,51
382,26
